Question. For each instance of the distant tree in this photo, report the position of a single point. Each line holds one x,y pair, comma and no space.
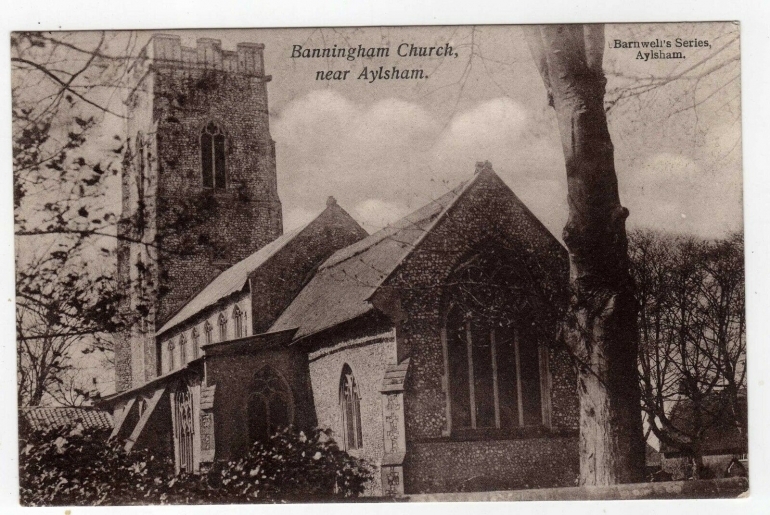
692,353
65,290
67,88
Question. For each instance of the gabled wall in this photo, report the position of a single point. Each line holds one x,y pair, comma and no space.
439,459
276,283
367,347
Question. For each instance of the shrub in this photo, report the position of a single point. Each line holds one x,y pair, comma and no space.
67,466
72,467
293,466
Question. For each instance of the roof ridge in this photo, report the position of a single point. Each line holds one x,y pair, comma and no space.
463,187
395,227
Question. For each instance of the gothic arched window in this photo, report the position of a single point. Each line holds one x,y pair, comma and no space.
171,360
497,371
222,327
182,350
494,374
350,405
208,329
213,157
271,405
239,322
196,342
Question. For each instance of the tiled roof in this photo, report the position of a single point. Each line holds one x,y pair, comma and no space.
230,281
43,418
340,289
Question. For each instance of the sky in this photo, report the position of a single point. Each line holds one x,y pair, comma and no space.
385,148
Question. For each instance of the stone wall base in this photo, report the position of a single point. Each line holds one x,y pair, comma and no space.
703,489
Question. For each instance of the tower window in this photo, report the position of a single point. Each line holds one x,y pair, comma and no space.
351,410
213,157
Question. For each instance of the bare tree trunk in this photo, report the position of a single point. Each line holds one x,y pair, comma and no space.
601,327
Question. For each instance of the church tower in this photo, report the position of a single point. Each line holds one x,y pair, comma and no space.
199,188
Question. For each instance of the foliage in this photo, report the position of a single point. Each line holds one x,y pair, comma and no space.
64,164
80,467
67,466
293,466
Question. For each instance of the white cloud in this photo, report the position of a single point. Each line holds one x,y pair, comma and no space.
385,159
676,193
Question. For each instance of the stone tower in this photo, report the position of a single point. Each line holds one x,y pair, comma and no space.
199,186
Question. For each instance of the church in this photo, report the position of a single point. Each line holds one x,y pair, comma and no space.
428,348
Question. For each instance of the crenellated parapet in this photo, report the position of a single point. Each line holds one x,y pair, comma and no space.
247,59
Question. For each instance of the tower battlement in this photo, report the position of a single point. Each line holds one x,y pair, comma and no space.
247,59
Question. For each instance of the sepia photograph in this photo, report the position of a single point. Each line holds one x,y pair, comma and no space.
379,264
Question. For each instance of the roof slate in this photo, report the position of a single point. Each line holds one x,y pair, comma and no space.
43,418
341,288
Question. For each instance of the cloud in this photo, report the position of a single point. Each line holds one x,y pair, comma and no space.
677,193
385,159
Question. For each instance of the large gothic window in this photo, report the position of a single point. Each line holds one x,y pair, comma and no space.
350,404
496,369
213,157
270,404
494,374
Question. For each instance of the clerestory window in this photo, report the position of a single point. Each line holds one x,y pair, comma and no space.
196,343
222,327
182,350
208,330
239,322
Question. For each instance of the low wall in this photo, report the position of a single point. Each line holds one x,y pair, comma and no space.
703,489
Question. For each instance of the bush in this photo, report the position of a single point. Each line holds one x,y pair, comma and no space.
78,467
70,467
293,466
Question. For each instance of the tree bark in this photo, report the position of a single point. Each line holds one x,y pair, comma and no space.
601,326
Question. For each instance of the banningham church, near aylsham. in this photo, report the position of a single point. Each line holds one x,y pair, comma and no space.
427,348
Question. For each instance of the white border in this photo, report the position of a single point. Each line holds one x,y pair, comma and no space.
754,16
